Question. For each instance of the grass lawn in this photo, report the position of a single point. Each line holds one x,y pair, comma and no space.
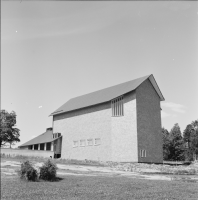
84,187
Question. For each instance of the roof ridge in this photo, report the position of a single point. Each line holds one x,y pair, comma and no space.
111,86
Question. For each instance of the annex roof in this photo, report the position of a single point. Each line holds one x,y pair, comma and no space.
105,95
43,138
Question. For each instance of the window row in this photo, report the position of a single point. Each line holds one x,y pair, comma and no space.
88,142
56,135
117,107
142,153
41,147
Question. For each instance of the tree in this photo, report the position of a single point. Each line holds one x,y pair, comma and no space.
166,144
8,133
187,137
195,124
176,147
194,141
190,136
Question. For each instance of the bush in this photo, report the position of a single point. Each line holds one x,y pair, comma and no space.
28,172
48,171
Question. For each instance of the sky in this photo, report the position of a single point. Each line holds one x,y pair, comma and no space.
52,51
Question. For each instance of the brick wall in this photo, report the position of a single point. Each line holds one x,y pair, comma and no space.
149,123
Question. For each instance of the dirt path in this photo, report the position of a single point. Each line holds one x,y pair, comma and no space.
9,168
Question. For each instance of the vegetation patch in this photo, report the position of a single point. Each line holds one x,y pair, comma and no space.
48,171
28,172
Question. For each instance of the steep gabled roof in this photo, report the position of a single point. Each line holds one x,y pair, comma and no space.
43,138
105,95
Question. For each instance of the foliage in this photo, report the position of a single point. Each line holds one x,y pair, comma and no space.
176,144
28,172
176,147
173,145
195,136
48,171
8,133
190,136
166,144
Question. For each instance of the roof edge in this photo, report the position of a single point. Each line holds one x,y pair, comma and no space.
156,87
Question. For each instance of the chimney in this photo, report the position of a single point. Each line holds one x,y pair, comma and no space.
49,129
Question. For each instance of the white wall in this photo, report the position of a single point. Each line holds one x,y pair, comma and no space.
92,122
26,152
124,132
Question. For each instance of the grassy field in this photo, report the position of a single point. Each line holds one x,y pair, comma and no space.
83,187
98,187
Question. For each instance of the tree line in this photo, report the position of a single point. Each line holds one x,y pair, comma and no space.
178,146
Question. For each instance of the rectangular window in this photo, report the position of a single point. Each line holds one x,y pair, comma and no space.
117,107
36,147
56,135
97,141
42,146
82,143
143,153
30,147
48,146
90,142
75,143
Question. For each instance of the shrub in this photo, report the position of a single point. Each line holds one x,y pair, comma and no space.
28,172
48,171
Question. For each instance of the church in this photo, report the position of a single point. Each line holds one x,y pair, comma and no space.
121,123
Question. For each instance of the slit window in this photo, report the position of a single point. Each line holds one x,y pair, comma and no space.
56,135
117,107
143,153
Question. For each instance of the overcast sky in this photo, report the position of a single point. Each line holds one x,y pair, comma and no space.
54,51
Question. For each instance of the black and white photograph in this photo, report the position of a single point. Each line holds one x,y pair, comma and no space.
99,100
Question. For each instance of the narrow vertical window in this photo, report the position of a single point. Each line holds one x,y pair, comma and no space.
142,153
113,108
117,106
